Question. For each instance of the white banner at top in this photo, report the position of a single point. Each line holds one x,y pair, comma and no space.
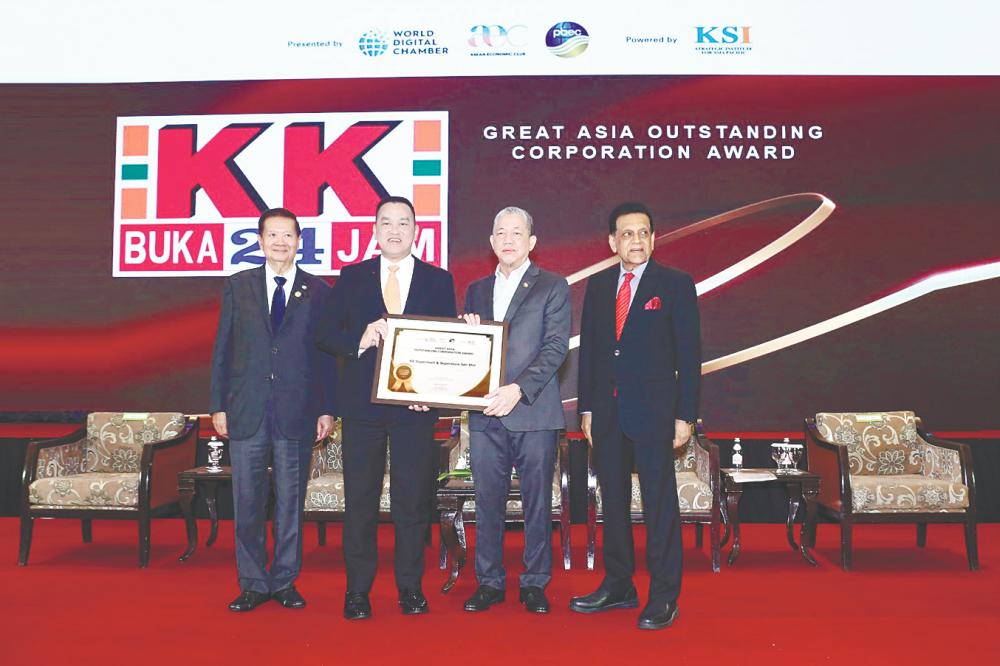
109,41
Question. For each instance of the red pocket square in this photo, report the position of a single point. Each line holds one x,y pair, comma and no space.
653,304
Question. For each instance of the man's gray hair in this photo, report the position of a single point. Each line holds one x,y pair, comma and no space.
514,210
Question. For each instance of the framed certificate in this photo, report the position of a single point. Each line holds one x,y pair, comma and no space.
439,362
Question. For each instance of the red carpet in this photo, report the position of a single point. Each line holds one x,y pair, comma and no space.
90,604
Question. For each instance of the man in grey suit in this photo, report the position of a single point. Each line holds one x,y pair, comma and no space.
272,395
520,426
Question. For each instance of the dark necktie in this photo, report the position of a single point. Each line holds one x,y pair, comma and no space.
278,304
622,304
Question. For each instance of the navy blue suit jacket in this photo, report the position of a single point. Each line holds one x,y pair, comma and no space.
253,365
539,318
654,371
354,302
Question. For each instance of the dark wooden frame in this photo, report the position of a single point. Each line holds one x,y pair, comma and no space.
323,516
711,517
830,461
453,518
158,468
502,325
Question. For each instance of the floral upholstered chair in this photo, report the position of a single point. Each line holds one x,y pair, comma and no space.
118,465
325,490
878,467
699,494
459,458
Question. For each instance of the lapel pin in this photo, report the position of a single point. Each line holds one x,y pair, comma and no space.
525,285
305,286
298,294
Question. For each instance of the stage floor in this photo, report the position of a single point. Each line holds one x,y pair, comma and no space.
90,604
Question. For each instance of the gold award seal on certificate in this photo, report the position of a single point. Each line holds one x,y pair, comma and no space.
439,362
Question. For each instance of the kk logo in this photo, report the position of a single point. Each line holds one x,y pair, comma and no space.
189,190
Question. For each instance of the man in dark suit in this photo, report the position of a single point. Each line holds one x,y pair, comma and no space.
272,395
353,325
520,426
640,375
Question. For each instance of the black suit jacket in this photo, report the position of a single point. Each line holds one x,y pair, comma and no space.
354,302
252,365
656,366
539,318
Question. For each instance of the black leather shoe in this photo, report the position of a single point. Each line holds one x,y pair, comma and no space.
658,616
534,599
484,597
413,602
248,600
289,598
356,606
602,600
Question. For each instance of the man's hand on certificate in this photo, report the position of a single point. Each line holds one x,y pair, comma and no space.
374,332
504,399
471,319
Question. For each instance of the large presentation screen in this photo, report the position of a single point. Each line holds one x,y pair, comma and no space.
842,230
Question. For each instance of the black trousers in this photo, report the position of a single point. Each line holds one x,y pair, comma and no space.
413,454
614,456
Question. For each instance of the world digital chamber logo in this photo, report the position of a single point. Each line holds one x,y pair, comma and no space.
373,43
567,39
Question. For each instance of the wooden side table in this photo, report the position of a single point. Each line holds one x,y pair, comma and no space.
802,486
187,485
451,497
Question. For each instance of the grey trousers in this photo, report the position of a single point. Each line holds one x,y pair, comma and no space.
494,452
289,460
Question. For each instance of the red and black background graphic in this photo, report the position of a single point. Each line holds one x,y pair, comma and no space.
910,162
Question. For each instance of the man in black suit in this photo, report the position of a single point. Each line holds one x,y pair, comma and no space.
519,428
353,324
272,395
639,381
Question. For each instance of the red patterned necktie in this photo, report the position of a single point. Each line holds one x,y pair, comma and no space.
621,305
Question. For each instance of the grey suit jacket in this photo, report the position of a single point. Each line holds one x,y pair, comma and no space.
538,318
254,367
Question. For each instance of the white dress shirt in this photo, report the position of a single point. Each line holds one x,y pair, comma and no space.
404,276
505,287
272,285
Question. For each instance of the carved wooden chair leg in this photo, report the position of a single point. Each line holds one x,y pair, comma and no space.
86,529
564,538
143,541
27,525
714,539
921,535
971,543
845,545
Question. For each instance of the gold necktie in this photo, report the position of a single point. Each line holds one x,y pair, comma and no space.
391,294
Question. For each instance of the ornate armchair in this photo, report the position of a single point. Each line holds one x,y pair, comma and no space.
879,467
118,465
699,494
325,490
459,459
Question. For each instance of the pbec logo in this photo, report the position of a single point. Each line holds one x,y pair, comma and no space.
567,39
